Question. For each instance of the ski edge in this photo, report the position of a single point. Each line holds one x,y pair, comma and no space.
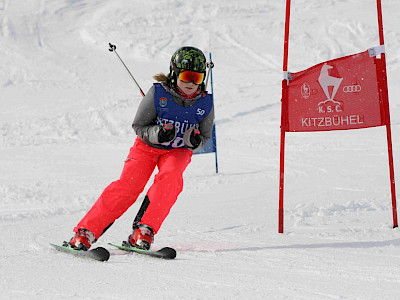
99,253
163,253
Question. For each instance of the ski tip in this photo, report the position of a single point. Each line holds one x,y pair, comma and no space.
167,252
101,253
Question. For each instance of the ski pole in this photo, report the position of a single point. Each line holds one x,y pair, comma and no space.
113,48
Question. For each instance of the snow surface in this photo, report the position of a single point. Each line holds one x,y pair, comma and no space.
66,109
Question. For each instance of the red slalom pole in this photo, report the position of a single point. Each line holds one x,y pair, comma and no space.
387,118
283,117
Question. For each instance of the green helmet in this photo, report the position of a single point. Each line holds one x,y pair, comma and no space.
188,58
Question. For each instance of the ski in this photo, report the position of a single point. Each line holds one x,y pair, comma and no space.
164,253
99,253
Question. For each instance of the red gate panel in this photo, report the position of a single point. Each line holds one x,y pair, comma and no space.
335,95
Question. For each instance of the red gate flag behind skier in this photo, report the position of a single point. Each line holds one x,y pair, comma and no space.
337,94
344,93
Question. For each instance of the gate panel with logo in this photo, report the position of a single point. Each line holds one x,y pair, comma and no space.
334,95
345,93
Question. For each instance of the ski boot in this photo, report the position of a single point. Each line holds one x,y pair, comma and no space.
141,237
82,240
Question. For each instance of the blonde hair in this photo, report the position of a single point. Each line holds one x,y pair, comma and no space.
160,77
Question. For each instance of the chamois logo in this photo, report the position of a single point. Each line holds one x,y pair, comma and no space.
326,80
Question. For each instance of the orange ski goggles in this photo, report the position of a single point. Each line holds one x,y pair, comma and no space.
190,76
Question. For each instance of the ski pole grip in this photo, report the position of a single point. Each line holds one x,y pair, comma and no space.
112,47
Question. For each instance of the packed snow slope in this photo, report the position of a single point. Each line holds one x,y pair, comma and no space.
66,107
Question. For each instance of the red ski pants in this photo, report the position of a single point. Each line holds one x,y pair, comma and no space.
121,194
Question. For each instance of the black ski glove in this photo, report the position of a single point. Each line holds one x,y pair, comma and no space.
195,139
192,138
166,133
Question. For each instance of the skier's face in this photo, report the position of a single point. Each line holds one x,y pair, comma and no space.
188,88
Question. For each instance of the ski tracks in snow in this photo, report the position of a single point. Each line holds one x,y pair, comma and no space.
97,123
22,25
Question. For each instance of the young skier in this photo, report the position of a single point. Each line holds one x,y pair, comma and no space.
174,119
